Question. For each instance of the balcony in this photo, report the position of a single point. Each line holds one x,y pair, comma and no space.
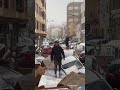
40,32
17,11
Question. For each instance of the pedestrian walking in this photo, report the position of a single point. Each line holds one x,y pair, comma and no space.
67,42
57,54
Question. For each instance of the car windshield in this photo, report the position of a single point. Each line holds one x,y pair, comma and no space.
70,64
98,85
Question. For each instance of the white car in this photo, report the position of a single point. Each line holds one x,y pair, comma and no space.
72,45
79,48
72,63
45,43
38,59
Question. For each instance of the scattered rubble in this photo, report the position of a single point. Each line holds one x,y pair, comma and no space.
52,83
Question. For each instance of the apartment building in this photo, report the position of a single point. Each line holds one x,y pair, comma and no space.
13,17
92,15
80,27
73,17
40,21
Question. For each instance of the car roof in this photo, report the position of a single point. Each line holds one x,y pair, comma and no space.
69,59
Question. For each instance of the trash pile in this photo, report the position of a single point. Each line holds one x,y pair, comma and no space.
6,56
71,81
18,58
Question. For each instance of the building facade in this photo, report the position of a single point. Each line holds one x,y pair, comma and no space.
73,17
80,28
13,17
40,21
114,11
104,18
92,15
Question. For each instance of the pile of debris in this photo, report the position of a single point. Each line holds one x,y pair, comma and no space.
6,56
72,81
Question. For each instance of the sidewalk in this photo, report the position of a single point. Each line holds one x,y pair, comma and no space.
50,69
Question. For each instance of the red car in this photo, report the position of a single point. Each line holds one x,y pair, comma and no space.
46,50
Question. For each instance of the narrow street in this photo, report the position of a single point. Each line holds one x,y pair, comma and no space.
50,71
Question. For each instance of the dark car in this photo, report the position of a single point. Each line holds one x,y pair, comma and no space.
94,81
8,78
82,57
113,74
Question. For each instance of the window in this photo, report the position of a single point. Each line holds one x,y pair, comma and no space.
37,25
76,8
43,27
20,5
76,13
70,20
6,3
43,3
37,8
43,14
1,3
76,19
83,26
70,8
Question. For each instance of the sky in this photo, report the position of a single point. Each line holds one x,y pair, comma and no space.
56,10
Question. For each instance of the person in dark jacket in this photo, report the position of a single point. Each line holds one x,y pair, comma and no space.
57,54
67,42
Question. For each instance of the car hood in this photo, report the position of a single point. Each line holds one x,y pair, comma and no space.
81,88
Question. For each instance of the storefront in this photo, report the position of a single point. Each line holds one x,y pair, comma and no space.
39,37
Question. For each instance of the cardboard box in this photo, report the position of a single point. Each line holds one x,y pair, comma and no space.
73,80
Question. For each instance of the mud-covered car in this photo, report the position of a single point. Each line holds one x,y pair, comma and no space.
95,81
8,78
